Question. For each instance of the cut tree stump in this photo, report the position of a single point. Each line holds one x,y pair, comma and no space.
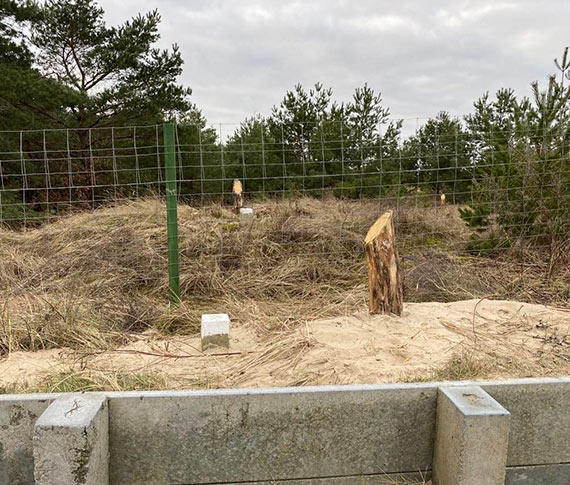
238,196
384,279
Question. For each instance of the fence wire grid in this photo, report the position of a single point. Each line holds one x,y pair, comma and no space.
496,192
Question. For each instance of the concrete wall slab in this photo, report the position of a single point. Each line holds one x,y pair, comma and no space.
18,415
212,437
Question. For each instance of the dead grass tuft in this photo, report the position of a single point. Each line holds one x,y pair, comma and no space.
465,367
82,381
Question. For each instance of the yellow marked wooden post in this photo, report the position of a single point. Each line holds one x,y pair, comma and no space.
238,196
384,279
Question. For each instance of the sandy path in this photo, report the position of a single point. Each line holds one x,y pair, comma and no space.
522,339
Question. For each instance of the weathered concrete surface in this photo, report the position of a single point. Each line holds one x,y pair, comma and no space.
71,444
215,330
337,432
540,419
233,436
18,415
471,438
539,475
379,479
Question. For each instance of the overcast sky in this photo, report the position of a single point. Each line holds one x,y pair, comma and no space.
424,56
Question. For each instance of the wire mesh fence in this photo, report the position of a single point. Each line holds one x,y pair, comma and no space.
45,174
457,190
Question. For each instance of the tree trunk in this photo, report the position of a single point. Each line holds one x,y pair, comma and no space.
238,196
384,279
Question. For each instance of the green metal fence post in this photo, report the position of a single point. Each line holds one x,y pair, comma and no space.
171,214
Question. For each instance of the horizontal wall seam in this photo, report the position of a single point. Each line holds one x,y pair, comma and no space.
424,473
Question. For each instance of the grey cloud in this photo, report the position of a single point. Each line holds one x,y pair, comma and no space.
424,56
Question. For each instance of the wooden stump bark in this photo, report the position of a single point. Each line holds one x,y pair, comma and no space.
384,279
238,196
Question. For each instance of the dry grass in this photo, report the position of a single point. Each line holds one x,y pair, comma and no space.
81,381
92,280
467,366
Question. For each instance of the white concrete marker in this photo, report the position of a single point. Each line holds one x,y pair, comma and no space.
215,330
246,215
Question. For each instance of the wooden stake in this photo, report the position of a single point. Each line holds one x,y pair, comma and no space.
238,196
384,279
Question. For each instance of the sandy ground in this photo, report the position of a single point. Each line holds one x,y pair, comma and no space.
511,338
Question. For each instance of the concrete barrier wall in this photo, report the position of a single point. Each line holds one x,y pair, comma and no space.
18,415
346,434
540,423
262,435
